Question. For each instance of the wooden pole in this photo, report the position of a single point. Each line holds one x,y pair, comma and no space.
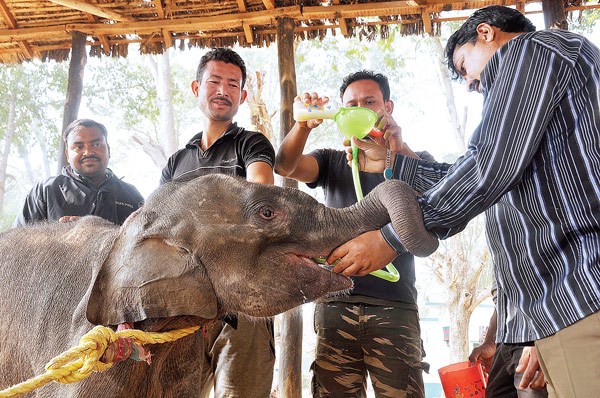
74,90
555,16
290,359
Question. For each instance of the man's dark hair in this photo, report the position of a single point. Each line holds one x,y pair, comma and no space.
226,55
381,80
505,18
75,124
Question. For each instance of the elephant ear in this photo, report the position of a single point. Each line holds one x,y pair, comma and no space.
149,278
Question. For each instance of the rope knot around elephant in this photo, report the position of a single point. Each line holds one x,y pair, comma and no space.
89,356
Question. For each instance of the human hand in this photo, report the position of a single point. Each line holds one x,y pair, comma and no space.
530,366
68,218
371,156
362,255
392,133
312,99
484,353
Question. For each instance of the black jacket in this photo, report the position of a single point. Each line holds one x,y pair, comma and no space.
73,195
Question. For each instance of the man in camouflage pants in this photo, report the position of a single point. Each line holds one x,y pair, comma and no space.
375,330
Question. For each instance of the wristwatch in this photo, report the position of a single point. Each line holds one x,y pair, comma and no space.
387,172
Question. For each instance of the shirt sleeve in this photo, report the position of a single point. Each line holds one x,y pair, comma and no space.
421,175
530,80
167,172
321,156
34,209
257,148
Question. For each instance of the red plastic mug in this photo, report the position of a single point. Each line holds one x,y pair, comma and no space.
463,380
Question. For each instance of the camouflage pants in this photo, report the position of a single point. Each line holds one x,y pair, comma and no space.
353,339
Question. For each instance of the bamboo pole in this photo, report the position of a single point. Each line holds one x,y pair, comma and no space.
92,9
290,359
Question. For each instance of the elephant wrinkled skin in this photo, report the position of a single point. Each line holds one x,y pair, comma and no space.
198,249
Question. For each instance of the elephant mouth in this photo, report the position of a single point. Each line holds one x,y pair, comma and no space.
169,323
320,273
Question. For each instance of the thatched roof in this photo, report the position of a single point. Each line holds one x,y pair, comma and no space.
42,28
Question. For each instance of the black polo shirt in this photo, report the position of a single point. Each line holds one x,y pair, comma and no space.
230,154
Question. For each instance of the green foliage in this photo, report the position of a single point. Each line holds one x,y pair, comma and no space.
583,21
37,90
124,91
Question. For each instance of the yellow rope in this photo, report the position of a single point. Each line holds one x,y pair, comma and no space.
79,362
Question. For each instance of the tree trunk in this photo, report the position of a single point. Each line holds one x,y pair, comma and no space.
155,151
42,142
164,101
458,128
555,16
290,364
25,156
259,114
10,133
459,326
458,266
74,90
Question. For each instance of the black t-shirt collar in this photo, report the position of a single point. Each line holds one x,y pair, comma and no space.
196,140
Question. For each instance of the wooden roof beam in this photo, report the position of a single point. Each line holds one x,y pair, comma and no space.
248,32
269,4
218,22
26,48
7,16
242,5
357,10
101,38
167,38
427,25
92,9
160,11
342,21
11,22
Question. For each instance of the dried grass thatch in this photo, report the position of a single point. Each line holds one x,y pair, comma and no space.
42,28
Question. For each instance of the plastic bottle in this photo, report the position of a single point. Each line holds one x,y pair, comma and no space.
303,112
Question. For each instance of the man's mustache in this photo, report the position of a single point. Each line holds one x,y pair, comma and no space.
89,157
222,99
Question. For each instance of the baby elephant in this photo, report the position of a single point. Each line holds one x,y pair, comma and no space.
198,250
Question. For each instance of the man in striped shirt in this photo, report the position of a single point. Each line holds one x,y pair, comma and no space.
533,166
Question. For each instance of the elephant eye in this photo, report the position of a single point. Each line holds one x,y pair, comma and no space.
267,213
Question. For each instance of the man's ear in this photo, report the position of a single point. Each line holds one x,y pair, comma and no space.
195,87
389,106
243,96
486,32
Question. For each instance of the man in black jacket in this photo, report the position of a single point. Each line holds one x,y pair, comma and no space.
86,186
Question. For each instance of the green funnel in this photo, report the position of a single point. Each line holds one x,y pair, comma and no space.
355,121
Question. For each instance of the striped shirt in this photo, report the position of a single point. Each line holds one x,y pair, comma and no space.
533,166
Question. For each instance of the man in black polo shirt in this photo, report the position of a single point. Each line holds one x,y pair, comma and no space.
375,329
86,186
239,363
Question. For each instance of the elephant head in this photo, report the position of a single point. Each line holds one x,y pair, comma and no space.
218,244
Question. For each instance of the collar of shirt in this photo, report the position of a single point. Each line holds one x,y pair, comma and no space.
68,171
196,140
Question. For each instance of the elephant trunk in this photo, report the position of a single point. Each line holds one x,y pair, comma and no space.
392,200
